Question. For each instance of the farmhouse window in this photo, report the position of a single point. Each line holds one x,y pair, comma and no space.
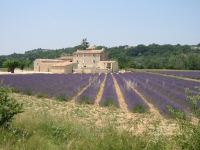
84,61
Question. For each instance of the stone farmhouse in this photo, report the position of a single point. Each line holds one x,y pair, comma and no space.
90,60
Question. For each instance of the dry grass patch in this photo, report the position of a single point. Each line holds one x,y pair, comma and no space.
93,114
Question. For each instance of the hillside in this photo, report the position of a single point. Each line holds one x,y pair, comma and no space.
153,56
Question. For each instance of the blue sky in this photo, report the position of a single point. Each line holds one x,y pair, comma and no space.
54,24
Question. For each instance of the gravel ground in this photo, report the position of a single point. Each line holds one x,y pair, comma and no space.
18,71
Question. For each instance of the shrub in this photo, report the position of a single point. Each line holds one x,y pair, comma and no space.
85,100
62,97
188,136
177,113
109,102
8,106
194,99
139,109
28,92
15,90
43,95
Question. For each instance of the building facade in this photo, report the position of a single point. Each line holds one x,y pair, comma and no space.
90,60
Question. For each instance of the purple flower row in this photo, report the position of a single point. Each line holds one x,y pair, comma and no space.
48,83
91,91
131,98
188,74
74,88
109,92
154,96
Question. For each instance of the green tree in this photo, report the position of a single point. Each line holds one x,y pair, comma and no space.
131,64
22,65
171,62
28,63
11,65
193,62
84,43
8,106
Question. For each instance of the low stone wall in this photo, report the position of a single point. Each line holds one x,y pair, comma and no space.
92,70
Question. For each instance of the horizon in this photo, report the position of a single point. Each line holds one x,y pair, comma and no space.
95,45
61,24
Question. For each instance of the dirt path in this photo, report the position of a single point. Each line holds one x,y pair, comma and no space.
120,96
98,98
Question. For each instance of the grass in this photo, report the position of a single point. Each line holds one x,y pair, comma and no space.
46,132
57,125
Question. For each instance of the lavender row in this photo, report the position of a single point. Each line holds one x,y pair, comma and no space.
73,89
34,82
171,81
131,98
68,82
157,99
90,93
173,94
48,83
188,74
175,84
109,95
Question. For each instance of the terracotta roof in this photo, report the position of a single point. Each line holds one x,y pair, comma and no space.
88,52
62,64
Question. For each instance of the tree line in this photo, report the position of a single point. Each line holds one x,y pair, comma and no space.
152,56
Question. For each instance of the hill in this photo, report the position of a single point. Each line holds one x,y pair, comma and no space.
153,56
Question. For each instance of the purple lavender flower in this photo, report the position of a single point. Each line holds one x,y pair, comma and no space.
89,94
109,96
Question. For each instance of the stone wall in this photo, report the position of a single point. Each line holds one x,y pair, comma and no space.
64,69
92,70
44,66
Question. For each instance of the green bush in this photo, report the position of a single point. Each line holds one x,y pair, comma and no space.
85,100
8,106
62,97
43,95
28,92
109,102
193,98
188,136
139,109
15,90
177,113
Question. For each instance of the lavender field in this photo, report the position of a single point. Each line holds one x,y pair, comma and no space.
187,74
138,89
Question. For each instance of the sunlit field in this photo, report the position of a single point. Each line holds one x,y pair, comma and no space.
101,111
